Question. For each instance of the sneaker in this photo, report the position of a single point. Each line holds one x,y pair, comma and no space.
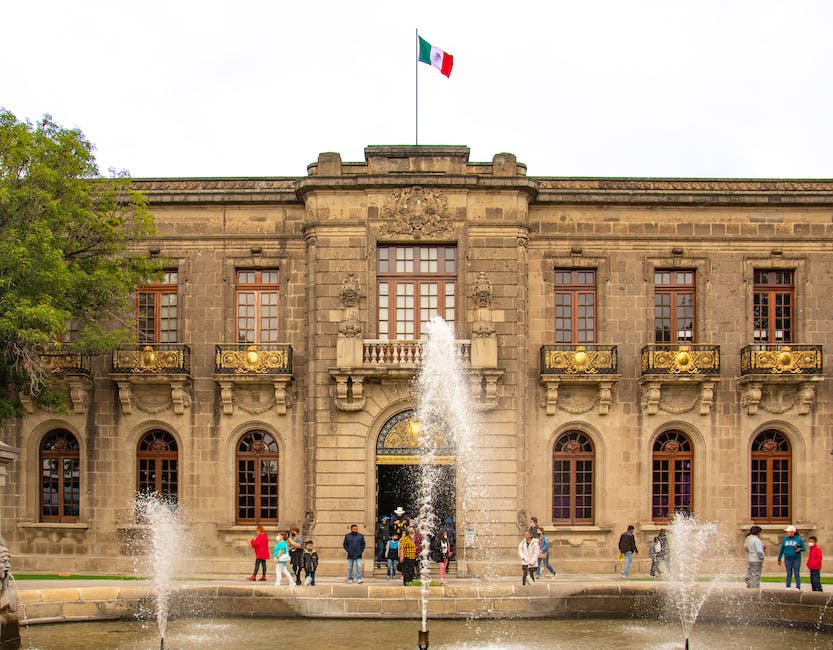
349,579
359,580
307,581
262,578
250,578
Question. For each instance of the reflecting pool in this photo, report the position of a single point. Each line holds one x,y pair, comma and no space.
318,634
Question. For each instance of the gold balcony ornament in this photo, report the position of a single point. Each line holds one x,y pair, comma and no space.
580,357
683,359
252,356
783,360
148,356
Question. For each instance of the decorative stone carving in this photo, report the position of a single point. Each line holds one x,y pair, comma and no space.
417,212
778,395
678,394
584,394
350,326
482,291
350,291
154,394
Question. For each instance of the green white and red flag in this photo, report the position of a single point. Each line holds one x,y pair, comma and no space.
431,55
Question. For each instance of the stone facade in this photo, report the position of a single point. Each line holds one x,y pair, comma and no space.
511,232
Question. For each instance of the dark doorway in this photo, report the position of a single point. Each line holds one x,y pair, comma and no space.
396,485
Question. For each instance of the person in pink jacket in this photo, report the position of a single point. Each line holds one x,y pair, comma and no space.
814,562
261,546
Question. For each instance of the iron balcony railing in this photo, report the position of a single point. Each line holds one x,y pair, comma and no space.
685,359
67,363
779,359
160,359
574,359
378,352
253,359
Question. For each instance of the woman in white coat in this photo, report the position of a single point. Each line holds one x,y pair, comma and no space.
528,551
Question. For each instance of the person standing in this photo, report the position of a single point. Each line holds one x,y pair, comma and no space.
528,551
296,552
354,546
754,548
407,556
791,547
441,552
310,563
544,553
533,527
261,546
392,556
814,562
627,547
382,537
398,527
281,557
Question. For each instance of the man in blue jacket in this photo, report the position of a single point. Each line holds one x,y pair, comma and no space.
791,547
354,545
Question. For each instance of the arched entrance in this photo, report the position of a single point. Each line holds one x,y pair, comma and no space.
399,468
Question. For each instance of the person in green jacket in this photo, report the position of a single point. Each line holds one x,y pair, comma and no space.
791,547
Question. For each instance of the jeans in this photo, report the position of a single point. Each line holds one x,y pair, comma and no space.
357,562
626,570
793,568
392,564
753,574
311,576
380,550
815,579
545,561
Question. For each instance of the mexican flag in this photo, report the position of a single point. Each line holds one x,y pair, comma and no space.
431,55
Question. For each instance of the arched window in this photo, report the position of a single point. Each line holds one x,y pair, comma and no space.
257,479
60,477
572,479
770,489
157,465
672,487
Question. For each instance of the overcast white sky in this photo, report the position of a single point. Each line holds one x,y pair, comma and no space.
697,88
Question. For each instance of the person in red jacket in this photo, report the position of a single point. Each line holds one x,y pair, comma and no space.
814,563
261,546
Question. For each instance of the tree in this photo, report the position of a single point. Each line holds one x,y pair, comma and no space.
65,255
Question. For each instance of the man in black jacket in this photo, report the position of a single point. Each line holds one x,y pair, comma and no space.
354,545
627,547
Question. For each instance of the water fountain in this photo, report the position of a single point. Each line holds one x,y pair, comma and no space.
445,416
692,543
163,553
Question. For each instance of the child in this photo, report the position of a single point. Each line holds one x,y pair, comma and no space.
392,555
310,563
814,563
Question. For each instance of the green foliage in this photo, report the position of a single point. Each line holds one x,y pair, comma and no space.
65,240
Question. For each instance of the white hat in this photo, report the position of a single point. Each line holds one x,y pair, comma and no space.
399,511
790,529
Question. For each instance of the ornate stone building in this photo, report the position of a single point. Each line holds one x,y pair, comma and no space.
635,347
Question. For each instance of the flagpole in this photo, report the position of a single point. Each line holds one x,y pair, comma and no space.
416,92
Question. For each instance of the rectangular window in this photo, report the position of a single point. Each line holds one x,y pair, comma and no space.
773,297
257,306
156,311
415,283
674,300
575,306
